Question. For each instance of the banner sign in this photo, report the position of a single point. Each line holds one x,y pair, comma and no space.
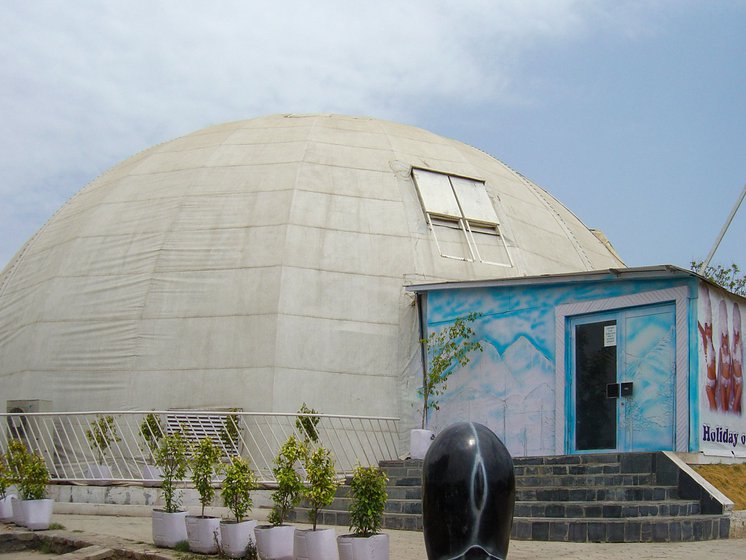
720,344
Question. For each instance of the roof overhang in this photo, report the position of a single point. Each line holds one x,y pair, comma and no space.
666,271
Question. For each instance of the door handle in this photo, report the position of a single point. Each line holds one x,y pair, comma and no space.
627,389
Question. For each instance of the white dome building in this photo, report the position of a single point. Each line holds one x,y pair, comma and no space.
262,263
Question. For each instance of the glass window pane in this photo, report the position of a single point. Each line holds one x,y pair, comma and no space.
472,195
451,239
436,193
490,245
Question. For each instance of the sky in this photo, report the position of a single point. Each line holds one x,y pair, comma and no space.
631,113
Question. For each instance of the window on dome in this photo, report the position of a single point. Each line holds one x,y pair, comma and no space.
462,218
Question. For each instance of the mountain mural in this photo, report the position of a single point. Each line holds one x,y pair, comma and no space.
505,391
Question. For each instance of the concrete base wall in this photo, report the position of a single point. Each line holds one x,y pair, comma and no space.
140,501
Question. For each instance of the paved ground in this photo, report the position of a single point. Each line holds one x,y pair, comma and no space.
406,545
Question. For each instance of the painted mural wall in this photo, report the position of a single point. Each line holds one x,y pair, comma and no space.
720,322
510,385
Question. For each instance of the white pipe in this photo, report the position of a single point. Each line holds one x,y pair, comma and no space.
706,262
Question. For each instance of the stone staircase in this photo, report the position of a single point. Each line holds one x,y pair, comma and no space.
633,497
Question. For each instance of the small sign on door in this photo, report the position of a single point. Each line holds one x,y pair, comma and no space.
610,335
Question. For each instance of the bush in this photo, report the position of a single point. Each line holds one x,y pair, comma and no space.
306,425
447,350
237,487
289,483
368,489
205,460
171,457
15,459
151,432
5,479
322,483
101,434
230,432
34,478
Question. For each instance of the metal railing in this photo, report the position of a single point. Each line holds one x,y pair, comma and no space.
119,446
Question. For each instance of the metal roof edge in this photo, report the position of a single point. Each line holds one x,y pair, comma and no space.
609,274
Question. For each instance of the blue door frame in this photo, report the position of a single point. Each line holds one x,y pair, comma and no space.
621,396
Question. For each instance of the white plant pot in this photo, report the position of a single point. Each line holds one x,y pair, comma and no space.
99,473
316,545
17,511
236,537
37,514
203,534
151,475
274,543
419,443
354,547
6,508
169,528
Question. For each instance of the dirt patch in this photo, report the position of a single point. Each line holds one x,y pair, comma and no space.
729,479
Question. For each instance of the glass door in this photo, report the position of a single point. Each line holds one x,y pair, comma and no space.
622,378
595,371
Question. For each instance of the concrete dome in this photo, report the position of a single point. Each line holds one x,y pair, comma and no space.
261,263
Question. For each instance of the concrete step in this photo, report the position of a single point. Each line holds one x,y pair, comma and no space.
590,458
93,552
607,510
576,498
598,494
394,521
548,470
394,492
404,492
392,506
585,480
631,530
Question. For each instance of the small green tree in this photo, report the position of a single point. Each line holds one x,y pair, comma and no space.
101,434
230,432
322,483
289,483
368,489
32,484
237,487
151,431
171,457
5,479
15,459
205,461
306,425
447,349
729,277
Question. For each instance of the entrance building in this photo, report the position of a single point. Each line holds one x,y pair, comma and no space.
636,359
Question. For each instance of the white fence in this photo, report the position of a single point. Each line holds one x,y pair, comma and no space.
122,453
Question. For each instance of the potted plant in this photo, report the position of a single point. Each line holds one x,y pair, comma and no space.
237,534
203,532
32,486
230,433
151,432
318,493
101,435
15,459
368,490
275,541
307,424
6,506
447,350
169,527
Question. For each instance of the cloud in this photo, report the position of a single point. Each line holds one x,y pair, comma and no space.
88,84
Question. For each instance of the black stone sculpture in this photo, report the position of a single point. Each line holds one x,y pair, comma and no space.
468,487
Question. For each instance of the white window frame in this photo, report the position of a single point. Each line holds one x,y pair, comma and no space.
437,208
